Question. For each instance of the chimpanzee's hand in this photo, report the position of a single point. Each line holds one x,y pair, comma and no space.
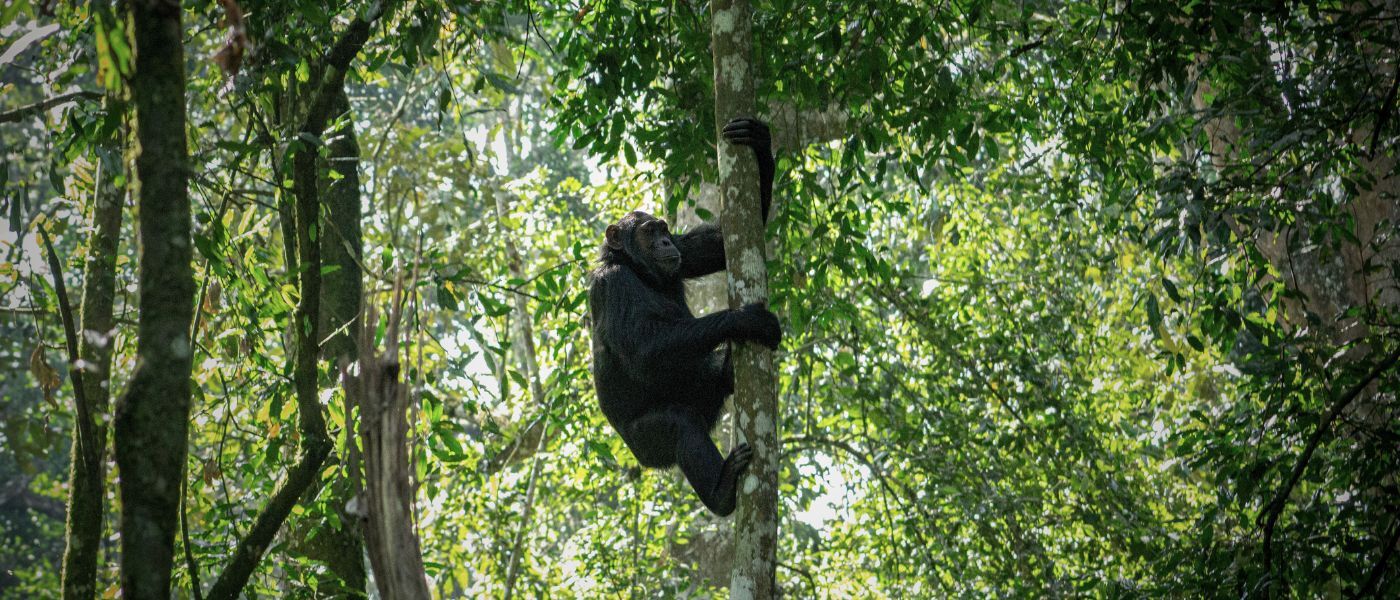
757,324
752,133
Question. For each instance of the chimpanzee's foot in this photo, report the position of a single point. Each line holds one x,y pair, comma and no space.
728,489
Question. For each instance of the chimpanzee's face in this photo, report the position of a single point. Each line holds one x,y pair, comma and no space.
647,240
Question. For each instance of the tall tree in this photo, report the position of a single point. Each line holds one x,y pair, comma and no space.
152,418
755,380
87,476
305,219
340,545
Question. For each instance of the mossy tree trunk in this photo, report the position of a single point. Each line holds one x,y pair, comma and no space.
755,378
87,477
152,418
342,291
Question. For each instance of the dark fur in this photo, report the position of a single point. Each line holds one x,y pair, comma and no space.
660,373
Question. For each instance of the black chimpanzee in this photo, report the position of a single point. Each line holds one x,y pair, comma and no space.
660,374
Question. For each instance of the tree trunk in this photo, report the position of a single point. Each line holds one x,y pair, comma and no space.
755,394
394,550
342,293
343,248
152,418
88,476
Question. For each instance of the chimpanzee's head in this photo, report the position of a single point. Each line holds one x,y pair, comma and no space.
645,242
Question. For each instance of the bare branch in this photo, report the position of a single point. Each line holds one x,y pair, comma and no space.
24,112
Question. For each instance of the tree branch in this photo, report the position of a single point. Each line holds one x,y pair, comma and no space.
24,112
1378,572
1275,508
70,332
336,63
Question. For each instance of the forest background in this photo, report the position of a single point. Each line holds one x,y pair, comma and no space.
1080,298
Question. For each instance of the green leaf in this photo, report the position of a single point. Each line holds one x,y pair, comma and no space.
1171,290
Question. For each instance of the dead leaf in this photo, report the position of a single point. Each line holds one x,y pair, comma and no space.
230,56
44,374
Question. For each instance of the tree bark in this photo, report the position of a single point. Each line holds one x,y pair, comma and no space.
87,478
343,289
755,395
152,418
342,293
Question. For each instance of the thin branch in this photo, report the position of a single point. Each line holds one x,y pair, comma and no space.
23,112
793,444
190,563
70,332
803,572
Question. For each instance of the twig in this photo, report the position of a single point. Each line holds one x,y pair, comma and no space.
23,112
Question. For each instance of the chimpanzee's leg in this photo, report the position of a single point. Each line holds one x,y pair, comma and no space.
681,434
714,479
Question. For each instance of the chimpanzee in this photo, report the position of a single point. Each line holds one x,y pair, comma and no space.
659,371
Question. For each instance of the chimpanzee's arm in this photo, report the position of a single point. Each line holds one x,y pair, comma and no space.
702,249
766,169
754,134
633,322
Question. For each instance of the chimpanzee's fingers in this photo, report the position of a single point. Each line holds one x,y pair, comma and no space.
742,125
747,121
739,136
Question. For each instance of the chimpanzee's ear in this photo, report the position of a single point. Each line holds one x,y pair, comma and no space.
614,237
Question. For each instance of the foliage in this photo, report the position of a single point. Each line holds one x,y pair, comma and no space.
1068,290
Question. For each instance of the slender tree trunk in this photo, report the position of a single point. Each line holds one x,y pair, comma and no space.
343,248
315,445
755,379
88,476
152,418
525,338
